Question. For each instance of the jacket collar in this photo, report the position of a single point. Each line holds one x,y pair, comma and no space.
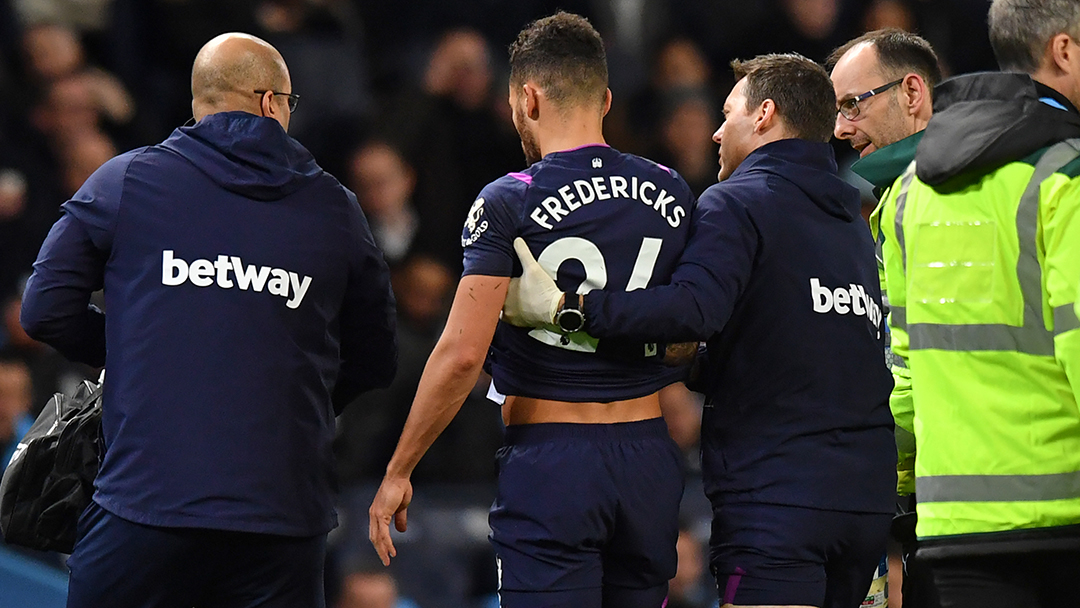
882,167
1045,91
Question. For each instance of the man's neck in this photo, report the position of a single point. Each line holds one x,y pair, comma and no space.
574,130
1046,90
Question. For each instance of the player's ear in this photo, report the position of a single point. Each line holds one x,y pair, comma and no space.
532,101
765,116
607,102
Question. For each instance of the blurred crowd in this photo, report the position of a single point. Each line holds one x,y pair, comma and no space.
405,102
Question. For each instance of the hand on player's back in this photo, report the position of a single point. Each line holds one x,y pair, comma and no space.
533,298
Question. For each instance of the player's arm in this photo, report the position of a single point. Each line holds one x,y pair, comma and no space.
712,272
450,373
70,266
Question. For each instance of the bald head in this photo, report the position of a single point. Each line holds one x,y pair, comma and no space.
228,70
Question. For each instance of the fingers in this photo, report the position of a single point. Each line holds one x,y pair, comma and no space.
379,534
401,520
523,252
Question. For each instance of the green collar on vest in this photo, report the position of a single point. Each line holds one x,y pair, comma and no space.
882,167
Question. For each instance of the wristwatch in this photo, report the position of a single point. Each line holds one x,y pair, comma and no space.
569,318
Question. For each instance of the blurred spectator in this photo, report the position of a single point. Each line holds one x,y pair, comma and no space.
56,65
89,15
65,110
15,395
458,138
49,371
30,197
51,51
159,40
632,31
368,429
82,154
889,13
12,194
371,589
812,27
460,70
384,183
686,138
311,35
680,70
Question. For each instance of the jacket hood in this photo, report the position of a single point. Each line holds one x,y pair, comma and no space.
810,166
246,154
982,121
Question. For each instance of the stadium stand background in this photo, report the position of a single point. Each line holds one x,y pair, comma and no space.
405,102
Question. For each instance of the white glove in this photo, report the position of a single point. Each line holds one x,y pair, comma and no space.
533,298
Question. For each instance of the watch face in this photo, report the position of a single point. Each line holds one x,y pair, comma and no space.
571,320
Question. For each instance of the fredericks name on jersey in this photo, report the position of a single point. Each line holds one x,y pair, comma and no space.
601,188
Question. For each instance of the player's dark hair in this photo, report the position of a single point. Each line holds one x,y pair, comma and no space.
799,87
898,53
564,55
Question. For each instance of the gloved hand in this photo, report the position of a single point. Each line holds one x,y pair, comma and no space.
533,298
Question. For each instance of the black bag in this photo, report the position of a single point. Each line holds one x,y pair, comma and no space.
50,478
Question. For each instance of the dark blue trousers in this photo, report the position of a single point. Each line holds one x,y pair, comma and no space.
776,555
120,564
587,515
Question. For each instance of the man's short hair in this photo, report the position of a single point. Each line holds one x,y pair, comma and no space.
1021,29
564,55
898,53
799,87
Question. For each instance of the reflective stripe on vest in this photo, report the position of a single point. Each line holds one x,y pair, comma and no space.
1030,338
901,203
998,488
898,316
1065,319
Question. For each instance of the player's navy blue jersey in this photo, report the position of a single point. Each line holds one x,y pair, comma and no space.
596,219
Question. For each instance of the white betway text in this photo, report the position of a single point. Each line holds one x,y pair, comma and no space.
204,273
843,300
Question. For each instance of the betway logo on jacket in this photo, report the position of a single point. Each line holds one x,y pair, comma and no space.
843,300
204,273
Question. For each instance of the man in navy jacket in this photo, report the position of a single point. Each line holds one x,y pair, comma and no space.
779,277
245,303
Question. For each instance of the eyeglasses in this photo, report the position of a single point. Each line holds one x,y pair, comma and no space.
293,97
849,108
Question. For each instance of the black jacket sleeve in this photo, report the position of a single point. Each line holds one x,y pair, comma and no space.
56,305
712,272
368,319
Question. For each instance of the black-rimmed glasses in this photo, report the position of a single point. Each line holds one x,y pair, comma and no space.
293,97
849,108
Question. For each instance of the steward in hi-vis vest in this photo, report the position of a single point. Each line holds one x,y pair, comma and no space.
982,263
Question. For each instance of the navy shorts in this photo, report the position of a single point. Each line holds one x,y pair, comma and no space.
121,564
763,554
587,515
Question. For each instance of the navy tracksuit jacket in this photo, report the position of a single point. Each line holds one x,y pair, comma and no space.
245,300
779,277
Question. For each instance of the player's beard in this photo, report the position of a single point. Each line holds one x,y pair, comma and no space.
530,147
529,144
